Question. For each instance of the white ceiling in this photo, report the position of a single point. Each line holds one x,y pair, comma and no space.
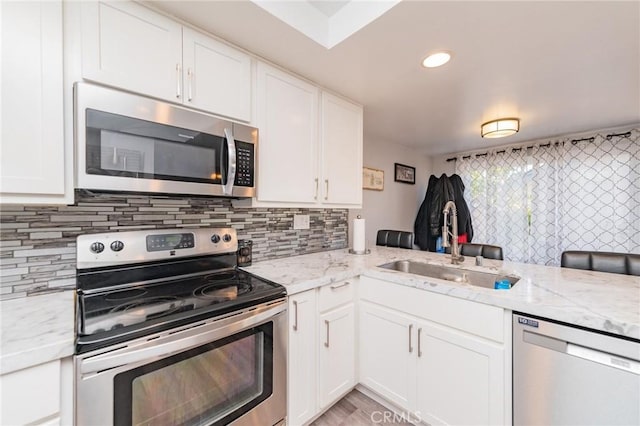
562,67
328,7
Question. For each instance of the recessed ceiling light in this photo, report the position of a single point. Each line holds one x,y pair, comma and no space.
436,59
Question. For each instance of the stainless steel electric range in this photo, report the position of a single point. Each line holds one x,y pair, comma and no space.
170,332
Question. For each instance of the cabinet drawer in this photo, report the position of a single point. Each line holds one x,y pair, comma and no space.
336,294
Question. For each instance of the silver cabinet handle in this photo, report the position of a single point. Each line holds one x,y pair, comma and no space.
315,197
410,329
419,350
326,194
337,286
190,77
178,76
326,344
295,315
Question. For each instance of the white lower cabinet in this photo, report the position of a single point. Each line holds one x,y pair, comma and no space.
337,354
386,359
459,378
410,355
38,395
322,349
303,373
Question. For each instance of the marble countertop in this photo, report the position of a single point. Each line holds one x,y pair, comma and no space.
36,329
596,300
39,329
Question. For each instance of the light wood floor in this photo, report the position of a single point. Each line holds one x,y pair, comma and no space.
356,409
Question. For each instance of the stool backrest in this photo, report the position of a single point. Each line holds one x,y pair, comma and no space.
390,238
484,250
601,261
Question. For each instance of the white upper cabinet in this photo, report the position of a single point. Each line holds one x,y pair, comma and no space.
128,46
287,118
341,141
216,77
32,147
310,152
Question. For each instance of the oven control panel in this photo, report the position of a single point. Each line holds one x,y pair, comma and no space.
97,250
170,242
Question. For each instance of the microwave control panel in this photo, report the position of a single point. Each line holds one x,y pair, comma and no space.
245,160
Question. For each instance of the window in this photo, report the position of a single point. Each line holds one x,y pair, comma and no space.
540,201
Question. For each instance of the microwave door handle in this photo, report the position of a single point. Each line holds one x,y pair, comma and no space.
227,189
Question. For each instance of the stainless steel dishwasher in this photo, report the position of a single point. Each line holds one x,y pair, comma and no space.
564,375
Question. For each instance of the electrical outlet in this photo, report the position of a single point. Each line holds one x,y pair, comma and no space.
300,221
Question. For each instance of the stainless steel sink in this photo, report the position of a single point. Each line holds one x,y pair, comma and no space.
480,279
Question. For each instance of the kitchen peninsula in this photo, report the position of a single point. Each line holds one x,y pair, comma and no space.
596,300
417,341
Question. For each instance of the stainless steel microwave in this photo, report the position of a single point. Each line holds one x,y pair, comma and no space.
126,142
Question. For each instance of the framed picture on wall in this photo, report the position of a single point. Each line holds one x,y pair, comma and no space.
372,179
405,174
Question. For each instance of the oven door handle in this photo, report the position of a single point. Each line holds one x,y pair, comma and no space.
155,350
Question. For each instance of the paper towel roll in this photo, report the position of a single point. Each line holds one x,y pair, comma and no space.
358,235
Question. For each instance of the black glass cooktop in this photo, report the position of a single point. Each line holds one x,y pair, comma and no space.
152,303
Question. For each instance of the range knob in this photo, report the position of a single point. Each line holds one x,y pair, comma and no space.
226,238
117,245
215,238
96,247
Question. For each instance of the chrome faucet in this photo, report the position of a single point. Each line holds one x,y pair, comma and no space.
456,257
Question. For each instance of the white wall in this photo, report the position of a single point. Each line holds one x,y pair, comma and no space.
439,165
397,205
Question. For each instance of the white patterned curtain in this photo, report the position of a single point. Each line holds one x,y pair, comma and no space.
599,184
539,201
543,197
493,190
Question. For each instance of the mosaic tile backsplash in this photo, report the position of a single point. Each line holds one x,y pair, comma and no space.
38,243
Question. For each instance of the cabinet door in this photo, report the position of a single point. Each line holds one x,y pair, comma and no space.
341,142
302,375
32,139
337,354
217,78
454,367
387,347
287,116
129,46
31,395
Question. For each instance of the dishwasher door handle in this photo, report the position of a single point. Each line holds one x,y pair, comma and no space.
604,358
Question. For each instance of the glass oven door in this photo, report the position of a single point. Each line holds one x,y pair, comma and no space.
215,383
224,370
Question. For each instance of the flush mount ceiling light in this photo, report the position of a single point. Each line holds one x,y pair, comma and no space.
436,59
500,128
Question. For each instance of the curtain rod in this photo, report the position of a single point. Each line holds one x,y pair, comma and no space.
573,142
